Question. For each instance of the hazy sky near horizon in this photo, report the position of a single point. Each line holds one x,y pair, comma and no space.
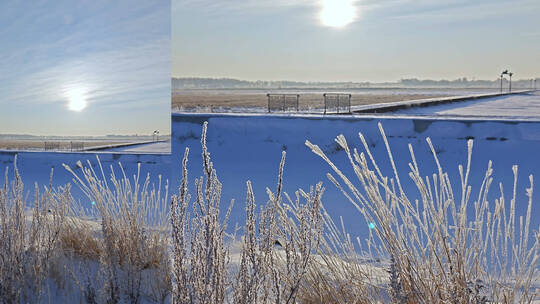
386,40
85,67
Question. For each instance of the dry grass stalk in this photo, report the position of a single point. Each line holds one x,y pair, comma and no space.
133,236
339,274
439,255
202,269
27,252
200,254
278,245
299,230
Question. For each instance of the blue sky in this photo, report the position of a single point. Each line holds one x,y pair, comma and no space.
388,40
112,56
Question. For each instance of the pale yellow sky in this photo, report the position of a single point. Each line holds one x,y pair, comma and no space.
385,40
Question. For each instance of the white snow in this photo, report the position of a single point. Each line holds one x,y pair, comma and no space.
248,147
155,147
36,167
521,106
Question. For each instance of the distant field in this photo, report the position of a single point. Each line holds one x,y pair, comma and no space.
237,100
25,144
193,100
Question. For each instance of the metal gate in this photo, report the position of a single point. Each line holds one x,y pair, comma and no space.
337,102
283,102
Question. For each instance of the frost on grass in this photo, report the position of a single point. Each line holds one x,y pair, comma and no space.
57,251
128,248
131,244
28,250
276,249
437,253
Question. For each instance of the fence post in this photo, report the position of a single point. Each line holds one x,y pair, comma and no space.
324,98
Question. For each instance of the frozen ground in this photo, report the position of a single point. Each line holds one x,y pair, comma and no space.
521,106
360,91
311,100
248,147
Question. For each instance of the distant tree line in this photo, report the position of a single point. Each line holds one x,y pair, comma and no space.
231,83
464,82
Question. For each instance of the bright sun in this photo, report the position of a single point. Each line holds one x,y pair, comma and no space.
337,13
76,99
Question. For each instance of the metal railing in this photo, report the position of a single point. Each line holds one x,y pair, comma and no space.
76,146
51,145
283,102
338,102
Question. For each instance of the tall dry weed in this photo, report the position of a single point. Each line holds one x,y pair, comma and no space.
199,252
28,248
132,239
437,252
277,246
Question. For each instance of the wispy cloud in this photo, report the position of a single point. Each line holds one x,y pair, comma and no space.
118,52
239,7
444,11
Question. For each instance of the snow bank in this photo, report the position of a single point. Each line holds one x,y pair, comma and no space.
249,147
36,167
154,147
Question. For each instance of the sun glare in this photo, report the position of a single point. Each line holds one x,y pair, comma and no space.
337,13
76,99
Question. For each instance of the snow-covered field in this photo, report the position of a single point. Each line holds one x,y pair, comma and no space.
36,166
248,147
360,91
522,106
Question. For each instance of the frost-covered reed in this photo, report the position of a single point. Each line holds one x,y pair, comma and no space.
437,253
131,243
276,248
28,248
56,251
129,248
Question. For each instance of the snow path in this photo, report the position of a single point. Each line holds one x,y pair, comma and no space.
156,147
522,106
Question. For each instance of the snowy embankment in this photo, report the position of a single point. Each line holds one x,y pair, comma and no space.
248,147
518,106
150,147
36,167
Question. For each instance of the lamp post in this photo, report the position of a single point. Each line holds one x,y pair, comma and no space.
503,73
